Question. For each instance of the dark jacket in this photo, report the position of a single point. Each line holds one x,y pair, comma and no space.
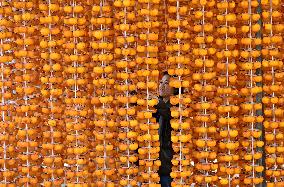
163,116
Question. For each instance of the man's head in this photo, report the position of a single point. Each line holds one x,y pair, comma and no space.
164,88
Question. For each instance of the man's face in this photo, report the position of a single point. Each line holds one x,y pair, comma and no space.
164,88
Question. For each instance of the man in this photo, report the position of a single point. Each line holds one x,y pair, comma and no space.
163,116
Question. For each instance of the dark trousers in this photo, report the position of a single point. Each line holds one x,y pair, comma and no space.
165,180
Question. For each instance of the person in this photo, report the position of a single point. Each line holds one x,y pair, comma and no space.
163,116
